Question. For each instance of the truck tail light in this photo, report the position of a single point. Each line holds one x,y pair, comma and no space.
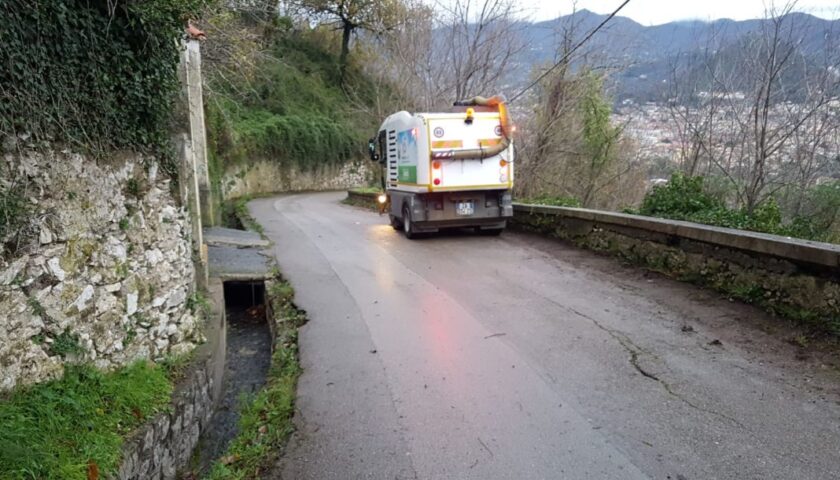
437,173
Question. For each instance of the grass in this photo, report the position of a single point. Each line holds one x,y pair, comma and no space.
265,422
235,213
64,428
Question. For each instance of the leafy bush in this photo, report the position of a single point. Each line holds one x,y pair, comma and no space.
686,198
91,73
59,429
680,198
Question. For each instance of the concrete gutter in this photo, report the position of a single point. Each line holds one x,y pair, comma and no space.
817,253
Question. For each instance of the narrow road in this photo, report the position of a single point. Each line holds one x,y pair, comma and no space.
467,357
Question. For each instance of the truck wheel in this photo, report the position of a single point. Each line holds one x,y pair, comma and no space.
395,222
407,224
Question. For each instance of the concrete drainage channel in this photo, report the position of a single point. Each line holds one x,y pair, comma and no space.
248,359
249,350
236,259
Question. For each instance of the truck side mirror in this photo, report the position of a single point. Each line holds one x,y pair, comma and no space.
374,157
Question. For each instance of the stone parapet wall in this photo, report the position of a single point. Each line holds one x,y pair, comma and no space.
798,279
100,270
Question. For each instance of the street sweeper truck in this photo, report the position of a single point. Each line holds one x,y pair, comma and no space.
448,170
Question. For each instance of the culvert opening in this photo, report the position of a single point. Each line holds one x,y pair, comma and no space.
247,362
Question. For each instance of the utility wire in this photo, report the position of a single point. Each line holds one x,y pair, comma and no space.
570,52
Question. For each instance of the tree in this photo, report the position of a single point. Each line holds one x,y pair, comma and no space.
376,16
759,112
452,51
570,147
481,42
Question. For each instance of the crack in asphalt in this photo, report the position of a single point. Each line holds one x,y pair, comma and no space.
634,351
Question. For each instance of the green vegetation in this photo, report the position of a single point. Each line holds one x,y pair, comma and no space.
66,344
292,109
266,419
235,214
14,212
551,201
198,303
63,428
687,198
91,74
282,99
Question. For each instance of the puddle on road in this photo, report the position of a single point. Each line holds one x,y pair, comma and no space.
247,362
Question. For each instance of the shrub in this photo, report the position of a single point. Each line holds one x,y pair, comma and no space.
680,198
686,198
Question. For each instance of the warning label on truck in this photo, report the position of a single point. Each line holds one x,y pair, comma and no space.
407,156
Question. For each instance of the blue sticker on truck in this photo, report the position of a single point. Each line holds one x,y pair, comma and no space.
407,156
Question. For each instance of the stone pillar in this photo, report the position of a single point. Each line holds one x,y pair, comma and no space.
196,194
190,198
191,60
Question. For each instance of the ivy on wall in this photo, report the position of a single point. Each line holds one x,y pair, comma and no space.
95,74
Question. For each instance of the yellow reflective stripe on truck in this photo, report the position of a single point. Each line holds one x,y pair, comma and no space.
441,144
469,187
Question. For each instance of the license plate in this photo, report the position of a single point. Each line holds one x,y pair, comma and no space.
465,208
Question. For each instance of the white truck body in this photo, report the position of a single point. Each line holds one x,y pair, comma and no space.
429,187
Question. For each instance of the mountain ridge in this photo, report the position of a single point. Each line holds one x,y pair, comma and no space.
642,56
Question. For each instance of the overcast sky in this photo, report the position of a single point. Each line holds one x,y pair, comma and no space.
655,12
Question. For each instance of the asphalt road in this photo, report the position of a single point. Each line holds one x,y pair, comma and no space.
467,357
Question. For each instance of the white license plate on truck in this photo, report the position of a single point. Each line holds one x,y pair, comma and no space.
465,208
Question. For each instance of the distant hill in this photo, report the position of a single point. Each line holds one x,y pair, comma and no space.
643,56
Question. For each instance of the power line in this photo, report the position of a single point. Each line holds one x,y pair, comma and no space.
570,52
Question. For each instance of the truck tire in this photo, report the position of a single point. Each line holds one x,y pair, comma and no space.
407,224
395,222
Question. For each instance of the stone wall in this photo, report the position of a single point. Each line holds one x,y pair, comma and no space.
164,446
794,278
266,176
101,270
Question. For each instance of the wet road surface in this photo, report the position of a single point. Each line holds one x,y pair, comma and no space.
467,357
